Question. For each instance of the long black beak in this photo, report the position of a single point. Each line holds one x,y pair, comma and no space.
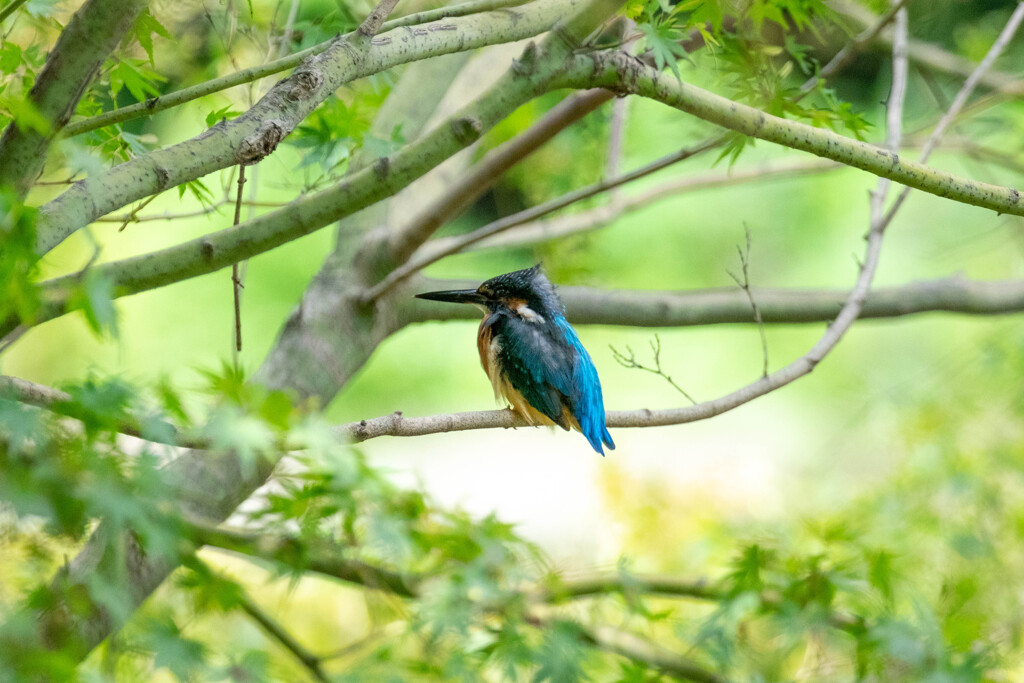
455,296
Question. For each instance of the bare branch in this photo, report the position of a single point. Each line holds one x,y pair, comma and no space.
375,19
11,8
633,363
1004,38
236,282
634,647
744,284
533,231
404,241
431,253
616,131
304,556
616,70
81,49
179,97
133,217
274,629
843,57
932,57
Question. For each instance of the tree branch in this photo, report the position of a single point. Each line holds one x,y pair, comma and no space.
843,57
375,19
803,365
727,305
291,552
435,251
1004,38
930,56
485,173
544,230
256,133
619,71
57,401
255,73
281,635
10,9
634,647
81,49
274,629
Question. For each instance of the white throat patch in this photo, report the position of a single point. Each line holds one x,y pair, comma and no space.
530,315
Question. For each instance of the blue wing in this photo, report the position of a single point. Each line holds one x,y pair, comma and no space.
548,365
587,401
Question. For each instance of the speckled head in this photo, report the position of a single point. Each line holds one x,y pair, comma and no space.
529,285
529,288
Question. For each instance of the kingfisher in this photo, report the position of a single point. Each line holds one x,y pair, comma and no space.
532,355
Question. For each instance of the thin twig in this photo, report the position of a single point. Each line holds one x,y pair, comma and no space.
375,19
169,216
14,335
616,130
592,219
273,628
289,28
10,8
1005,36
404,241
179,97
632,363
632,646
236,283
894,117
133,215
744,284
427,255
843,57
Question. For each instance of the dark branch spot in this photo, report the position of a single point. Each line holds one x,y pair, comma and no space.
382,167
163,177
261,143
466,129
304,84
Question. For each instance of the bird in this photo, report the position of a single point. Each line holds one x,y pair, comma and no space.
532,355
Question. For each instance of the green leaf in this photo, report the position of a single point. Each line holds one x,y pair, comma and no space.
182,656
145,26
10,57
137,78
561,655
225,112
95,297
19,263
663,42
197,188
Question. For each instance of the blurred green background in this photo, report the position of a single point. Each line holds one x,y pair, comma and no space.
901,406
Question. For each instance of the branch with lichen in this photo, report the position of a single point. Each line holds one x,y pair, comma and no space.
619,71
255,73
256,133
84,44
